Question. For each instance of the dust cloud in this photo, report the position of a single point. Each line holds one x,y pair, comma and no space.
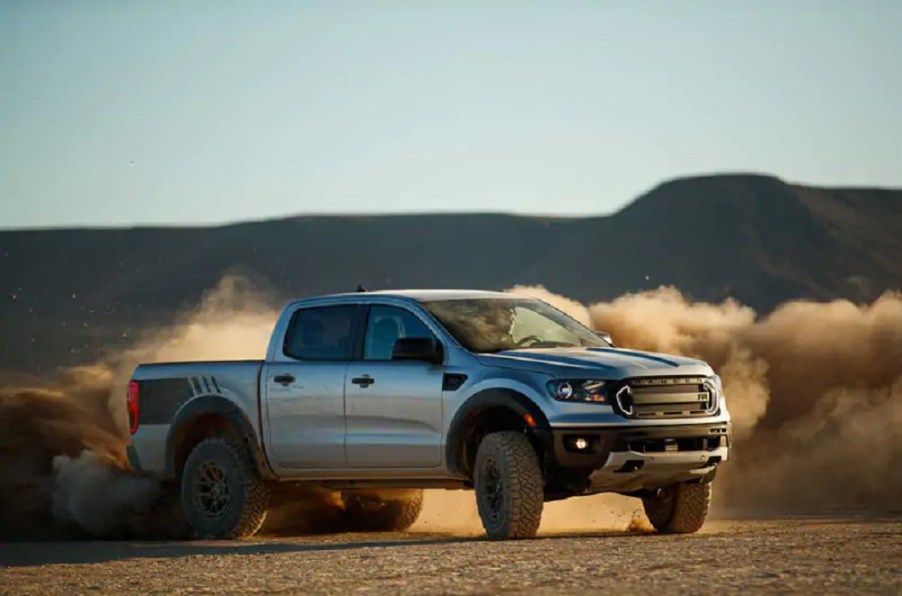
63,470
815,390
455,512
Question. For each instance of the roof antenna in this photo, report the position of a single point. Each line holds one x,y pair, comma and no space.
360,288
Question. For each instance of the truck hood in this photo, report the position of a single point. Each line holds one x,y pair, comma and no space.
601,363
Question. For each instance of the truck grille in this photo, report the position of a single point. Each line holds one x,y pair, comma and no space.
666,397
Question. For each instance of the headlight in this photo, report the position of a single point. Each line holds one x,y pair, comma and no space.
579,390
716,380
716,386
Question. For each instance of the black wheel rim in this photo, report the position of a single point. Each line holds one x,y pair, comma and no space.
492,488
211,489
661,505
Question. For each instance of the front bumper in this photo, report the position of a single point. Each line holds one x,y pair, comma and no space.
629,458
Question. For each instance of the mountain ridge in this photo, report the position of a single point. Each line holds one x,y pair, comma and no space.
551,216
752,237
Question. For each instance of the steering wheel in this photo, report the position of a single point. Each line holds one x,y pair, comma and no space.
528,340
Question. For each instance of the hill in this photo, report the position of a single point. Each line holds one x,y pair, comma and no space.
67,295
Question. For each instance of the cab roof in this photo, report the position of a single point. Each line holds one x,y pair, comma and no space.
415,295
427,295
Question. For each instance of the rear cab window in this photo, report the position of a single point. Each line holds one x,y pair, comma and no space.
321,333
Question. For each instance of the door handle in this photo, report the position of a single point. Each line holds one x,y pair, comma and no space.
364,381
284,379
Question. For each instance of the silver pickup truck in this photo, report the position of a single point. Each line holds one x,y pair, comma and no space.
378,395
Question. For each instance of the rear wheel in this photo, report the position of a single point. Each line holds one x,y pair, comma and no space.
222,494
509,491
679,509
382,511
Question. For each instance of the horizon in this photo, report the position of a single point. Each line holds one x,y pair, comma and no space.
250,113
409,213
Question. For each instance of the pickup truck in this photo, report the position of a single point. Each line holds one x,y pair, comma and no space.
379,395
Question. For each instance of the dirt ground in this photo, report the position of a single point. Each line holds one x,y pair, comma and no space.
834,555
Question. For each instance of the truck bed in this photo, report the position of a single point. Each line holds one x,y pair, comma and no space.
167,387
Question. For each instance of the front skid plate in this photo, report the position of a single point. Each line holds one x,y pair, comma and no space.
626,471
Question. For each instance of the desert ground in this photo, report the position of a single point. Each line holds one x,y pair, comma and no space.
836,554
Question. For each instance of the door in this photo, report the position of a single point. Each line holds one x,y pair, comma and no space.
305,389
394,408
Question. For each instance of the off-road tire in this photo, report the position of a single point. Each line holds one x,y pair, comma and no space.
383,511
226,460
509,488
679,509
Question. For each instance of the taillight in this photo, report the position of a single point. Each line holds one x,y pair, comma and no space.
133,399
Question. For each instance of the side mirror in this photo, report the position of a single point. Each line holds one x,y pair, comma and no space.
605,336
423,349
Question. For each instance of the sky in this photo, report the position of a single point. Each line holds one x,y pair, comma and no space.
155,112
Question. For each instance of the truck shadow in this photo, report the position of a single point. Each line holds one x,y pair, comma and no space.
31,554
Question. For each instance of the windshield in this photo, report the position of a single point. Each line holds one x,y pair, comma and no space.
497,324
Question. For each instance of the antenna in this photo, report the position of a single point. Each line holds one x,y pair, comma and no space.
360,288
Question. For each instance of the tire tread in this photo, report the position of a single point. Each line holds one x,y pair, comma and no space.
690,509
254,508
397,514
525,484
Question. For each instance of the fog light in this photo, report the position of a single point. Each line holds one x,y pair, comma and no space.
581,444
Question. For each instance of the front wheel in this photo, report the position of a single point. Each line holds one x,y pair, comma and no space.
509,491
222,494
679,509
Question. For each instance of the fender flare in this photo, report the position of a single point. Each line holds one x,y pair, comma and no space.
469,411
236,419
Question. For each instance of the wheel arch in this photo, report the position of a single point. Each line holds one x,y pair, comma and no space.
205,416
487,411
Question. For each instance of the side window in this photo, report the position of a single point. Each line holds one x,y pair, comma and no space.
387,324
322,333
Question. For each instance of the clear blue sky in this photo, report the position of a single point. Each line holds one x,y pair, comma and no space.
116,113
